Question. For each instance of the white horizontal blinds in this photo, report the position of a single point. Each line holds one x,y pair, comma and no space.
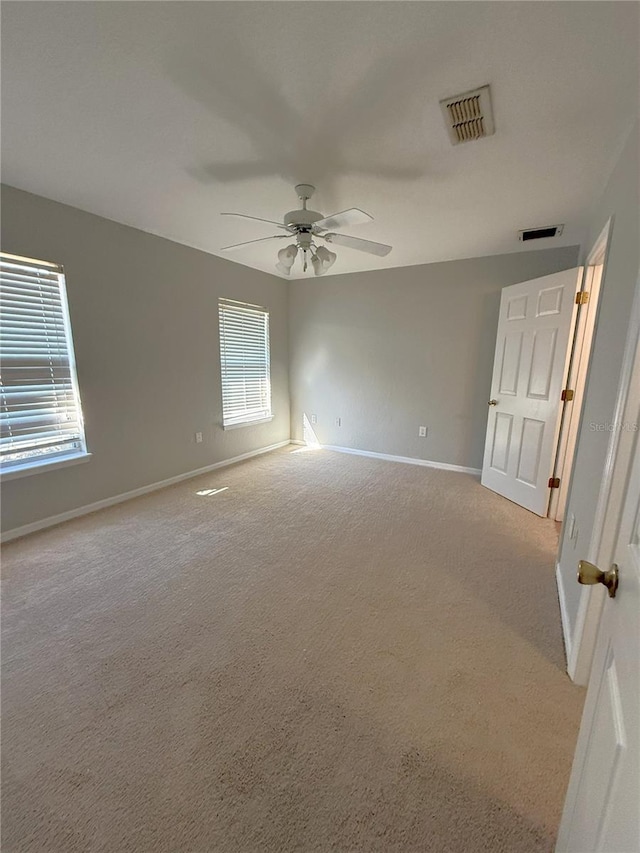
40,416
245,362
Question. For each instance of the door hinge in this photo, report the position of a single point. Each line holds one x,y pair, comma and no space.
582,297
554,482
567,395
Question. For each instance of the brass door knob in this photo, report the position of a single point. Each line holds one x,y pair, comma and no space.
588,574
492,403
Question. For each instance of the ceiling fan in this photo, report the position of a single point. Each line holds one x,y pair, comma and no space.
308,227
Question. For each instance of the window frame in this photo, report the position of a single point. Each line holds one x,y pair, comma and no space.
72,456
263,415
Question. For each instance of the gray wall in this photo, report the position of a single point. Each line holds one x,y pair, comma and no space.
144,315
390,350
620,200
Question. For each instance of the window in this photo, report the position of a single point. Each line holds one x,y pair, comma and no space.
40,414
245,363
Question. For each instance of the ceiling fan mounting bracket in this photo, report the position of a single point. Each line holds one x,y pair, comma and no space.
305,191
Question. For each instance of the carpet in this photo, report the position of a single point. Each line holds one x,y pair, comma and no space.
308,651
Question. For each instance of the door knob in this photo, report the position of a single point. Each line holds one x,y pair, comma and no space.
588,573
492,403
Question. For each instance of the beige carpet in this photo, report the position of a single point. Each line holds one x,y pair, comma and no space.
332,654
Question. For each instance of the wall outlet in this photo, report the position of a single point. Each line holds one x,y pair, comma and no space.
198,438
338,421
314,419
422,432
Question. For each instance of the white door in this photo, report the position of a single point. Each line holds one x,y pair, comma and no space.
535,330
602,809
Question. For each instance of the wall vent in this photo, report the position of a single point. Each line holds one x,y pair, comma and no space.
540,233
468,116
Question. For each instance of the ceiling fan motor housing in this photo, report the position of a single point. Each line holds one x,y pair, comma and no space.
302,218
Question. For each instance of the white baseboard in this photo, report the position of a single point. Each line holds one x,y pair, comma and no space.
408,460
564,616
52,520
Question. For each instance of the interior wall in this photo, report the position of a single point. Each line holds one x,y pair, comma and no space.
619,200
390,350
144,315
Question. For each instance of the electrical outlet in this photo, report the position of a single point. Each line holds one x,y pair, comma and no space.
314,419
198,438
338,421
422,432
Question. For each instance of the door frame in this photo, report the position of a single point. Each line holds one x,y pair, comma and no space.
579,359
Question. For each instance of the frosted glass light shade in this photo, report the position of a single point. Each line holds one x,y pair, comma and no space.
317,265
284,270
287,255
327,258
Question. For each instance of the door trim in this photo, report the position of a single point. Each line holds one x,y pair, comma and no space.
576,380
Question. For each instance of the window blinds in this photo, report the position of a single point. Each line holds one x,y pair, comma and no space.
40,415
245,362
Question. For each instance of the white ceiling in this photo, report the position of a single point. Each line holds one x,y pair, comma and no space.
162,115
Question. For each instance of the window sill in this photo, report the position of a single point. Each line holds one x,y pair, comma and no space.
248,423
41,467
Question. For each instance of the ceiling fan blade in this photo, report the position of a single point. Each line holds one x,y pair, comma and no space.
249,242
369,246
353,216
258,219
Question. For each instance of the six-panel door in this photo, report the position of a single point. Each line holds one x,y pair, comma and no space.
535,330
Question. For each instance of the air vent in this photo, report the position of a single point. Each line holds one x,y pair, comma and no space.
468,116
540,233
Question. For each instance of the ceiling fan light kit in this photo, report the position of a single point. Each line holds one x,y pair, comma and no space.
310,226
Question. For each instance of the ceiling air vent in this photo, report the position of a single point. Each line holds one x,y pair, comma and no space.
468,116
540,233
